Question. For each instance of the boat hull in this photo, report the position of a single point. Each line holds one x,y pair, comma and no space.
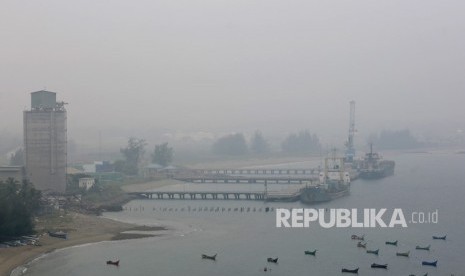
386,168
391,243
373,251
116,263
373,167
354,271
60,235
310,252
213,258
271,260
379,266
314,195
406,254
430,263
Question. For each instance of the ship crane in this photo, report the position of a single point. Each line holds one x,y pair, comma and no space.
350,150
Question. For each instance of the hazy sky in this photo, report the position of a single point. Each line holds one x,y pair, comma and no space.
236,65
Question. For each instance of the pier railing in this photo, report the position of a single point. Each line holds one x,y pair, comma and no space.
221,195
221,178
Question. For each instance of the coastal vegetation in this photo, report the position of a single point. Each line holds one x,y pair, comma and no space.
102,196
133,155
18,204
232,144
258,144
302,142
163,154
398,139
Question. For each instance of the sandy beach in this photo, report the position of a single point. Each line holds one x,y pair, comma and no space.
82,229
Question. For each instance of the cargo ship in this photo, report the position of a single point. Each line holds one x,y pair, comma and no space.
374,167
334,182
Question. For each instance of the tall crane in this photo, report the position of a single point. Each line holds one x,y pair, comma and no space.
350,150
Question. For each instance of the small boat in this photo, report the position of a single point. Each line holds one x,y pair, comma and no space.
392,243
439,238
404,254
373,251
271,260
430,263
355,271
375,265
308,252
423,248
213,257
58,234
363,245
113,263
355,237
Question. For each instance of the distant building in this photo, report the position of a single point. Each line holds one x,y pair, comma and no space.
71,171
16,172
98,167
45,142
86,182
152,170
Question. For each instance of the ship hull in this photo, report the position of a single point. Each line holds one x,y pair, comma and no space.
293,198
386,169
315,195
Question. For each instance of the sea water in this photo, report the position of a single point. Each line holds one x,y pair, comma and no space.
245,238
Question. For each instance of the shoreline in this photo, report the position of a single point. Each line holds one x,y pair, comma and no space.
83,229
90,229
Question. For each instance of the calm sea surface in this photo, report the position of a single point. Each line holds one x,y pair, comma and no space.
423,182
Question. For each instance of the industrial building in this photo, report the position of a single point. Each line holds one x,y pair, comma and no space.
45,142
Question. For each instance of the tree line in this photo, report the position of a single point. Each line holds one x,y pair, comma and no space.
296,143
234,144
19,201
400,139
134,152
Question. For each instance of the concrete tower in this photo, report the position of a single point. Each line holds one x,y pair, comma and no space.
45,142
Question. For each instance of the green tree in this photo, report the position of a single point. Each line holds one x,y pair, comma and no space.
303,142
18,203
133,154
233,144
400,139
162,154
258,144
119,165
17,158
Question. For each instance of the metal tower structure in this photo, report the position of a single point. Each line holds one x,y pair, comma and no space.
350,150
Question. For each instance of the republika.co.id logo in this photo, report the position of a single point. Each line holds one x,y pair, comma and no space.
340,218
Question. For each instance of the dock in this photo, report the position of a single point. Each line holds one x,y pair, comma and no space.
231,176
264,179
222,195
255,171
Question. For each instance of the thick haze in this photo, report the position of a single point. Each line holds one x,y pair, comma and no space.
221,66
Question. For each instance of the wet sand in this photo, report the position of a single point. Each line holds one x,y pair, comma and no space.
82,229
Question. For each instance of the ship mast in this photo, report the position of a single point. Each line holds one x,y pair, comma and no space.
350,150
